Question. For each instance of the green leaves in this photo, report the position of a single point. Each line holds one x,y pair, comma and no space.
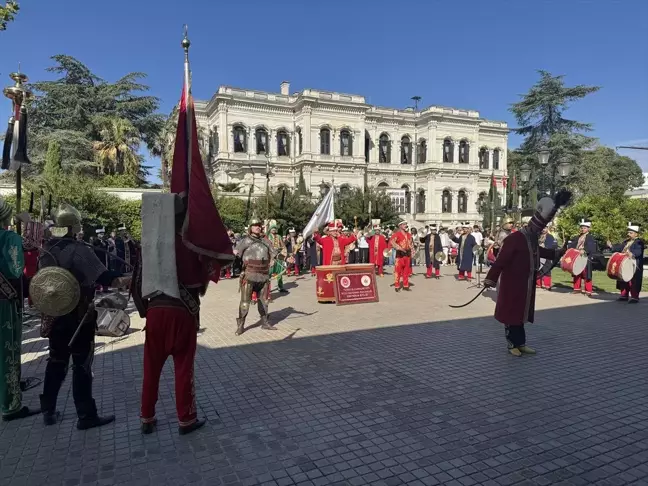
7,13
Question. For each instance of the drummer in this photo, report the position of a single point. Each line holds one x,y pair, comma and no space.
633,246
586,244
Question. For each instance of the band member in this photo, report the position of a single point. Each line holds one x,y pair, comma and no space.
313,254
402,242
432,242
635,247
546,240
506,230
377,246
350,252
586,244
516,267
12,265
257,256
333,245
79,259
466,242
279,248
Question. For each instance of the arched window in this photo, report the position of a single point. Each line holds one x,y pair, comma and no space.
462,202
446,202
407,208
422,152
420,202
496,159
367,147
261,141
283,144
464,152
300,141
406,150
214,142
483,158
448,150
480,202
385,149
382,186
346,149
325,141
240,139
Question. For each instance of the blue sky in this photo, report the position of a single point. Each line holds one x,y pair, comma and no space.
468,54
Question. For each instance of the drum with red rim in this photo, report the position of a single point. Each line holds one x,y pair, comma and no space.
621,266
573,262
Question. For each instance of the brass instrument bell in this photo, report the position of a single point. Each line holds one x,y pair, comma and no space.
439,256
386,252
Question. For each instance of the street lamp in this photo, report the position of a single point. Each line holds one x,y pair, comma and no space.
564,169
525,172
543,157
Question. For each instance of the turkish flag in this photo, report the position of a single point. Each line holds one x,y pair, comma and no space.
203,231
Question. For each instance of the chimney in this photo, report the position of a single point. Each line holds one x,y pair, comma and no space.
285,88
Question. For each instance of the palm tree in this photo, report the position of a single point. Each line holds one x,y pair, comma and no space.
117,150
230,186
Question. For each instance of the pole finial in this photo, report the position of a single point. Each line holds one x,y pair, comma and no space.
185,41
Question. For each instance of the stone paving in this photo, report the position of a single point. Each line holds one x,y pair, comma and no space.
404,391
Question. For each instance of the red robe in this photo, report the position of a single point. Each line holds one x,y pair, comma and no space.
327,247
377,245
516,267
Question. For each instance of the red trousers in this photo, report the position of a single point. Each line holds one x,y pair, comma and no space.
629,289
462,275
437,271
402,269
544,281
588,283
170,331
379,268
313,272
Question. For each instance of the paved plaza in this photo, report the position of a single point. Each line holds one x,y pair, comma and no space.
404,391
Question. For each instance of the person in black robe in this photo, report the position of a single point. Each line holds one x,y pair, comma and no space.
466,243
635,247
543,279
432,242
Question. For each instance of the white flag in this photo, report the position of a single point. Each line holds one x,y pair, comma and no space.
323,214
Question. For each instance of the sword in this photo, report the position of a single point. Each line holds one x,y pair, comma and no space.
470,301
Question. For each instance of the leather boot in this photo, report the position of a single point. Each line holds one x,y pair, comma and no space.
88,417
187,429
265,324
240,326
50,415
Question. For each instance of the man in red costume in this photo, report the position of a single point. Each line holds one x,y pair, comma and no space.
334,244
177,265
402,242
377,246
516,268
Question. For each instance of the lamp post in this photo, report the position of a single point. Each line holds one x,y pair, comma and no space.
323,188
18,94
563,170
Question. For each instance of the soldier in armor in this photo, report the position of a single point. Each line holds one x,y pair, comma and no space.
507,227
256,255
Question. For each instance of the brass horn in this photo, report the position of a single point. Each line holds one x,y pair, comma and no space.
439,256
387,252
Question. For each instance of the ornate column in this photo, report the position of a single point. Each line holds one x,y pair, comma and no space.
230,139
251,139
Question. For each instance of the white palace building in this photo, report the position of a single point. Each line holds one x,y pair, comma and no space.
435,162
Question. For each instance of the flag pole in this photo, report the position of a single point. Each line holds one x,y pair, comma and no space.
188,106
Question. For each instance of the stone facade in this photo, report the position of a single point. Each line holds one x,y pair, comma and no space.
435,162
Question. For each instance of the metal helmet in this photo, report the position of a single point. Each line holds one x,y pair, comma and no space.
67,216
5,210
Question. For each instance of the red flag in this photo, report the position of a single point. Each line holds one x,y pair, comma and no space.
504,182
203,231
494,181
514,185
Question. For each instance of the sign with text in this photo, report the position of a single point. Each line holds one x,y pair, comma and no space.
355,287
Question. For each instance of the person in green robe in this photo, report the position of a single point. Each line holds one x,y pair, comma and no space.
12,264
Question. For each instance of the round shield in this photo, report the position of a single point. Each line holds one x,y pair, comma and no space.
54,291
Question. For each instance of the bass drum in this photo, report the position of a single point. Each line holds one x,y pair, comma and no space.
573,262
621,267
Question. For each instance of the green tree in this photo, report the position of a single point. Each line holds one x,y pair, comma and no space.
355,204
609,216
603,172
8,13
296,212
53,160
301,188
73,108
232,212
117,148
539,115
491,207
